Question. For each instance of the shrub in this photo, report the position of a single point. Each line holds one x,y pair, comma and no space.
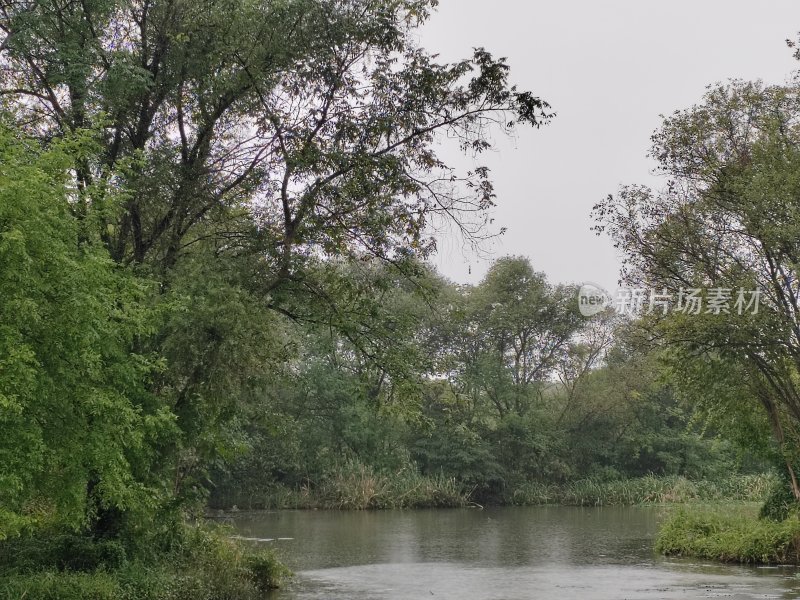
730,535
780,501
203,564
266,571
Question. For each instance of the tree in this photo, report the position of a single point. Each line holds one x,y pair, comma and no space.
586,352
518,330
726,221
319,118
243,149
77,423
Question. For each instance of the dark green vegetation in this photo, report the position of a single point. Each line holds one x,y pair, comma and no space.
198,563
730,534
188,193
214,220
492,394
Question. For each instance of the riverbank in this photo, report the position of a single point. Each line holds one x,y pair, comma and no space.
650,489
364,489
352,487
730,533
203,563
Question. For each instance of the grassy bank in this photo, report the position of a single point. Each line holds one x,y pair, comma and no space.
358,487
730,534
645,490
353,486
204,564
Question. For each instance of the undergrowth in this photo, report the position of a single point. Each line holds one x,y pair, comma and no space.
203,564
730,535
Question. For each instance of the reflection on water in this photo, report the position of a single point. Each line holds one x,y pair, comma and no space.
504,553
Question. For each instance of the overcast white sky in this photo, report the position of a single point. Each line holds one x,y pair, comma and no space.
609,69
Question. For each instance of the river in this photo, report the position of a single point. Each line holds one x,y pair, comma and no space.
496,554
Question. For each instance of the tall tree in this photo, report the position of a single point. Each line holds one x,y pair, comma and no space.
243,148
726,223
318,118
519,328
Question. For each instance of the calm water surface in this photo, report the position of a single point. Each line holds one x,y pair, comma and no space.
496,554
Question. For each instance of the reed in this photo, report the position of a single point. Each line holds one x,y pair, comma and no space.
649,489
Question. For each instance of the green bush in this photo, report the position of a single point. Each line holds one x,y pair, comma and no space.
54,585
266,571
780,501
61,551
729,534
204,564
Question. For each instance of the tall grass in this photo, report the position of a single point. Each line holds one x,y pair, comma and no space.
645,490
730,534
355,486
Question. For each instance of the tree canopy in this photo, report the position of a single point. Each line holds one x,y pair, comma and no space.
726,220
212,175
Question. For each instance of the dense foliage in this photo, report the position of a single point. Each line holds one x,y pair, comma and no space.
726,220
214,225
182,184
492,390
78,421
